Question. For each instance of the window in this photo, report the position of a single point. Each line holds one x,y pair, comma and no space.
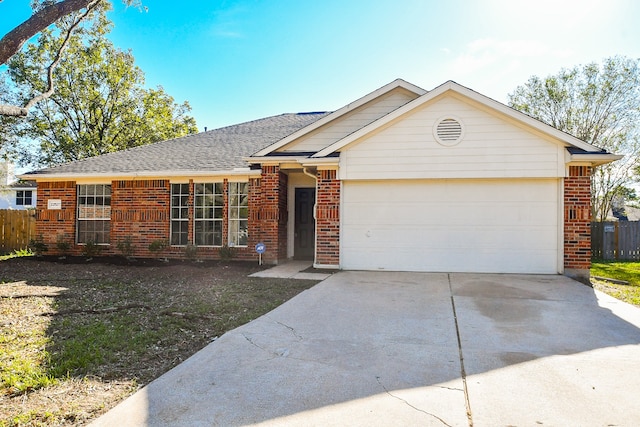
94,213
208,212
238,213
179,214
24,197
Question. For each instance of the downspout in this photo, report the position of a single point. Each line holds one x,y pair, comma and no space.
315,204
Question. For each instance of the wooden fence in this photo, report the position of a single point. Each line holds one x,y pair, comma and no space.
17,227
615,240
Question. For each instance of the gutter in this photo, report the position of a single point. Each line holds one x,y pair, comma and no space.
594,159
136,175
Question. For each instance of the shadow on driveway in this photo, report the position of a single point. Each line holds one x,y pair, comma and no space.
373,348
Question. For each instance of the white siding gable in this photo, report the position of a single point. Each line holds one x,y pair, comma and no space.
349,123
493,146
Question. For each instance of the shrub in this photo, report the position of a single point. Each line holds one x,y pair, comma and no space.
62,245
227,253
126,247
91,249
157,246
191,252
38,246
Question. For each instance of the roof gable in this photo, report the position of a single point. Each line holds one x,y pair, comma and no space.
368,109
453,88
486,146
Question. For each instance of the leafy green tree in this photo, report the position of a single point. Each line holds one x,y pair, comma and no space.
100,104
599,104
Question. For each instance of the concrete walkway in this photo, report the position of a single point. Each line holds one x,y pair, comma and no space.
292,270
377,349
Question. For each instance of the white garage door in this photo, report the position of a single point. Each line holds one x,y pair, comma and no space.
503,226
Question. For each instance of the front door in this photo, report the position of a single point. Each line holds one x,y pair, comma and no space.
305,226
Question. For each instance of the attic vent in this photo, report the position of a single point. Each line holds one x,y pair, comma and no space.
448,131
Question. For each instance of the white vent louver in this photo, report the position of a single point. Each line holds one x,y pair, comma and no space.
448,131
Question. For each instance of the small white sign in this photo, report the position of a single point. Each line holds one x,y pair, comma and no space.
609,228
54,204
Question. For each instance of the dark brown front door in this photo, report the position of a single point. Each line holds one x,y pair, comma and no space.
305,226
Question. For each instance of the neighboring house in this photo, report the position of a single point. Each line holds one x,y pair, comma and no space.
401,179
15,194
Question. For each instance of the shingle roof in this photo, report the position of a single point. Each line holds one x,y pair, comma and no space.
215,150
23,184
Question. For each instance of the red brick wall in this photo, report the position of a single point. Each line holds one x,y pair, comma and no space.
328,218
52,225
577,218
270,218
139,211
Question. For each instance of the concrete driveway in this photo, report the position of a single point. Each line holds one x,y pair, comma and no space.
364,348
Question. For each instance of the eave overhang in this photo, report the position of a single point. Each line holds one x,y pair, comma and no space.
593,159
115,176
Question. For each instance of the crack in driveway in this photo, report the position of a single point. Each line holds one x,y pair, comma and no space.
409,404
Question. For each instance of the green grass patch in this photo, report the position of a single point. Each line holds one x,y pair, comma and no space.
80,336
626,271
17,254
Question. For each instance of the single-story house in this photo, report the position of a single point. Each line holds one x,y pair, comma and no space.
18,195
15,194
400,179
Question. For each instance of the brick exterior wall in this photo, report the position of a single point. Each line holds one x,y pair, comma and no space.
55,225
577,221
269,220
140,211
328,218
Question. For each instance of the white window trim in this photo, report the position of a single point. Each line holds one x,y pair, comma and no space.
196,219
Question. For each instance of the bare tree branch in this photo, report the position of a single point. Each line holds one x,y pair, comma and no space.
53,64
19,35
13,41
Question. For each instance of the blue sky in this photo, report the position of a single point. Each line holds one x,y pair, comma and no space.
241,60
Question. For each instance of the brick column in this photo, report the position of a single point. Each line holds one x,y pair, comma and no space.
328,219
52,225
271,214
577,223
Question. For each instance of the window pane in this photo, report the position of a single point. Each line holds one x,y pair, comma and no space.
94,213
179,233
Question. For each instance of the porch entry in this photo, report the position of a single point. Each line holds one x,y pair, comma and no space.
305,225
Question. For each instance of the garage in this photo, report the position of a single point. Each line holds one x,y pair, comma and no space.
452,225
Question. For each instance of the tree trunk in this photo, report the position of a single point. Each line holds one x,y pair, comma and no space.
12,42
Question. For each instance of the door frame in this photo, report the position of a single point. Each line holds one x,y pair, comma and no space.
296,180
311,254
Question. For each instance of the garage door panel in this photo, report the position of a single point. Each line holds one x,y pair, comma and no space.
447,226
455,213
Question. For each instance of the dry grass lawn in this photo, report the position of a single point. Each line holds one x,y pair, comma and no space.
77,337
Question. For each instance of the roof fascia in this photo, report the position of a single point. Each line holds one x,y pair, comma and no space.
466,92
398,83
272,160
595,159
137,175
